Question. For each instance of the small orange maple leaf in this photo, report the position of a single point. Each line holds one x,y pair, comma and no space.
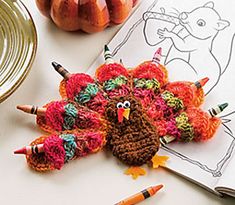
159,161
135,172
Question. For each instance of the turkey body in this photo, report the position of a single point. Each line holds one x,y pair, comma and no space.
134,141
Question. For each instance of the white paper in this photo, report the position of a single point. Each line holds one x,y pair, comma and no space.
227,183
206,48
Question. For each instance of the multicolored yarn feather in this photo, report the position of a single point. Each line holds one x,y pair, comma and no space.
60,149
114,80
63,116
82,89
88,116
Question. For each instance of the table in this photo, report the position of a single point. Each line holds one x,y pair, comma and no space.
96,179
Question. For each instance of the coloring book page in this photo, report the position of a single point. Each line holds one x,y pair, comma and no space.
197,39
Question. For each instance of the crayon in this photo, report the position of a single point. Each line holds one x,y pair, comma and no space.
121,62
108,55
200,83
217,109
141,196
167,139
28,150
35,110
61,70
157,56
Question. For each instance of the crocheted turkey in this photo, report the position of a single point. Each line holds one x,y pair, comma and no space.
129,111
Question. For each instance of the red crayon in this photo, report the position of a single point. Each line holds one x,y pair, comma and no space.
35,149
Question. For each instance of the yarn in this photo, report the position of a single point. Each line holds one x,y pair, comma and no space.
76,83
70,146
54,151
184,91
135,141
88,116
204,125
61,116
120,91
149,70
83,91
60,149
54,115
186,130
147,84
115,83
110,71
171,101
39,162
98,103
85,96
70,116
146,96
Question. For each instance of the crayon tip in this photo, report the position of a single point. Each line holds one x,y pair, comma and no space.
157,56
106,48
108,57
159,51
20,151
20,107
223,106
157,188
56,65
200,83
204,81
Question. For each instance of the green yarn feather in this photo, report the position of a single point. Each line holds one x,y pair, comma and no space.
85,96
139,83
70,116
172,101
92,89
69,146
70,110
115,83
186,130
148,84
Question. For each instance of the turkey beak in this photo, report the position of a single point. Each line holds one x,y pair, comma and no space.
123,113
126,113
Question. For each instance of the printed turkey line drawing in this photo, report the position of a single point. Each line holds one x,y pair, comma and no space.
187,37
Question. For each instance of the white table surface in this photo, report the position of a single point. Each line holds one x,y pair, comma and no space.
96,179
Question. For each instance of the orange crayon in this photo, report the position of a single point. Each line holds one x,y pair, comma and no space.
35,149
141,196
200,83
61,70
35,110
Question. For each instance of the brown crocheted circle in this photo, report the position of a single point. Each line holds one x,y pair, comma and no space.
134,141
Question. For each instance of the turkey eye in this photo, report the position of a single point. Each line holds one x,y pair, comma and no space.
127,104
201,22
119,105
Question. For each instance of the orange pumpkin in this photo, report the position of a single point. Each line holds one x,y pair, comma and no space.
88,15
